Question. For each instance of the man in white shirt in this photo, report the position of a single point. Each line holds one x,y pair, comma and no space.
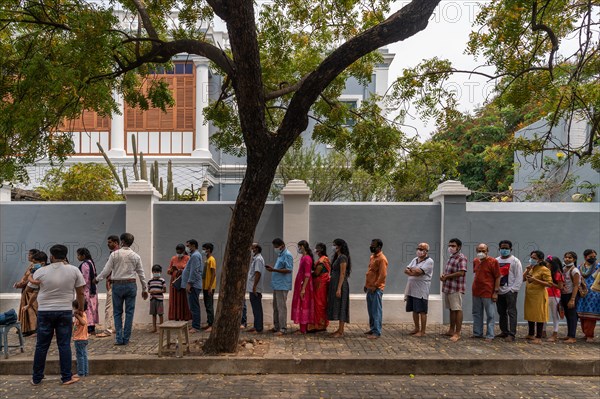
416,295
511,278
58,282
124,264
254,287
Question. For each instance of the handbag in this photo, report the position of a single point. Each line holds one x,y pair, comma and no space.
177,283
583,288
596,285
560,310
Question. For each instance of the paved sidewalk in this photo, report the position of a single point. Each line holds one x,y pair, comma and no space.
306,386
396,352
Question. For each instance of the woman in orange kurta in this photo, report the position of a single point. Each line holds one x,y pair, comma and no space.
178,306
320,286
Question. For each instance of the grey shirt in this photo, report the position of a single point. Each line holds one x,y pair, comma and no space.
418,286
57,286
257,265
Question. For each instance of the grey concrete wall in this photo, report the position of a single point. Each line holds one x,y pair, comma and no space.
401,226
177,222
25,225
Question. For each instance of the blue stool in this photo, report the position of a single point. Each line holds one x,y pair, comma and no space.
4,328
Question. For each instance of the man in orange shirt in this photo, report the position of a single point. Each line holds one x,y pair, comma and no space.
374,285
486,285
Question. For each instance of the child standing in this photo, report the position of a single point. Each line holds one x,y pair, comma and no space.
80,338
156,288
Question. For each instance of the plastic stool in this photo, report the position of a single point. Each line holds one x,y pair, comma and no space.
4,329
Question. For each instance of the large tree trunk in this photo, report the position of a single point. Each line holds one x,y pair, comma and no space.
236,262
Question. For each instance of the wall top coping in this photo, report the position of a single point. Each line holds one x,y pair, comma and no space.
296,187
141,187
378,204
55,203
563,207
449,187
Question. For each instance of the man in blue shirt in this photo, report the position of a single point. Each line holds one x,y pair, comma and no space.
281,283
191,279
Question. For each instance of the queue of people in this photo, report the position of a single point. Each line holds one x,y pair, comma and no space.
321,292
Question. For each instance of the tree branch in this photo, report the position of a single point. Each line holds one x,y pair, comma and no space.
401,25
551,35
285,90
147,22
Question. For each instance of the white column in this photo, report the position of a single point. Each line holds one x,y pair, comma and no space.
117,129
139,221
5,192
201,138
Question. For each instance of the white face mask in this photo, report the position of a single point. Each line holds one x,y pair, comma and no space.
569,264
481,255
334,249
299,250
420,253
180,256
452,250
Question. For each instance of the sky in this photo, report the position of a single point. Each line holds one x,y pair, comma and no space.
446,37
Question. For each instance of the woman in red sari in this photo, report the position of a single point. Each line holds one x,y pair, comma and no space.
178,305
320,286
303,307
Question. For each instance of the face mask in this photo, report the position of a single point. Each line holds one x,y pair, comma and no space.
188,250
481,255
299,251
334,249
37,266
420,253
532,262
180,256
277,251
505,252
373,249
452,250
591,260
204,252
569,264
156,275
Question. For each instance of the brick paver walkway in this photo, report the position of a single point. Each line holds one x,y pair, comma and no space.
394,343
305,386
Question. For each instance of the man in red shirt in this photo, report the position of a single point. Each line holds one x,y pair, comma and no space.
486,285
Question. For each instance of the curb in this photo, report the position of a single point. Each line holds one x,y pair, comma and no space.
139,365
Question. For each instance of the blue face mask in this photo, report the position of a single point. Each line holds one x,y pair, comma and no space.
277,251
37,266
156,275
532,262
504,252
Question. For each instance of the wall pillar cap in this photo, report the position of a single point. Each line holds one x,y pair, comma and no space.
141,187
296,187
5,191
449,187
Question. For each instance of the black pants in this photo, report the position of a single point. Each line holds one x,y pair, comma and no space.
507,309
209,305
538,327
570,314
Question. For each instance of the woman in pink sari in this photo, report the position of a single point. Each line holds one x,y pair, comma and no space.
320,286
303,306
88,269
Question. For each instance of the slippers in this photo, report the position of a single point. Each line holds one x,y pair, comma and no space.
103,335
73,380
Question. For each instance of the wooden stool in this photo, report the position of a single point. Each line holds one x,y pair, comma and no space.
4,328
183,338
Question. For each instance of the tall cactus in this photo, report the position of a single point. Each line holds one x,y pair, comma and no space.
125,183
160,190
111,166
152,176
143,167
156,174
135,160
175,194
170,194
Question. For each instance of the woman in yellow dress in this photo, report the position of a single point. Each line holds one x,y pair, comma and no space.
537,278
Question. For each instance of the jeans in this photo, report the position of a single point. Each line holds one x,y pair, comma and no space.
194,304
257,310
244,314
280,310
123,294
507,309
375,310
209,306
50,322
479,306
82,357
570,314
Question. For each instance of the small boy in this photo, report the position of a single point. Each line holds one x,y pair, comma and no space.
156,288
80,338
